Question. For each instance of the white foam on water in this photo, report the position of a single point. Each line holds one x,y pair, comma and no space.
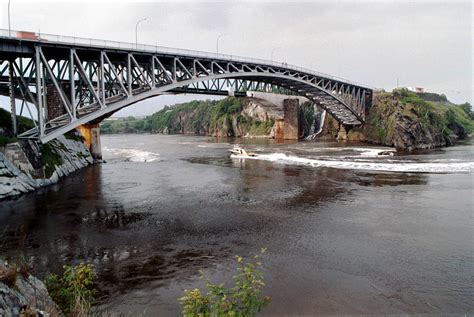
369,152
398,166
134,155
361,151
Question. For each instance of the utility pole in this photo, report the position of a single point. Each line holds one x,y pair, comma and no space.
9,26
217,42
136,32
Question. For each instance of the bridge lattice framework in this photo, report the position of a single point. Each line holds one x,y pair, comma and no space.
92,79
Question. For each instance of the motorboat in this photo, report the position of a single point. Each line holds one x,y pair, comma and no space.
237,151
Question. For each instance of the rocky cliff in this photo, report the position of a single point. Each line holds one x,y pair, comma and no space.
26,165
407,121
229,117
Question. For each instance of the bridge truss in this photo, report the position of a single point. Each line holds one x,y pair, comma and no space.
64,85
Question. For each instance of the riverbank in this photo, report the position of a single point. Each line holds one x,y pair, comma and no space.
402,119
26,165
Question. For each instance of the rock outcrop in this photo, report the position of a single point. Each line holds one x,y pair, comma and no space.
22,294
26,166
405,120
248,117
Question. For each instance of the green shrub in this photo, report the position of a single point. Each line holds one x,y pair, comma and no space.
4,140
242,119
5,120
467,108
73,291
243,299
49,158
23,123
261,127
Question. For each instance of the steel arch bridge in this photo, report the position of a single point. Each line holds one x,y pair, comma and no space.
71,81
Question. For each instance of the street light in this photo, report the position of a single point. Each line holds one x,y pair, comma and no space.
9,27
136,31
217,42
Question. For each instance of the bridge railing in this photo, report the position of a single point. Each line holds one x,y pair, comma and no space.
97,43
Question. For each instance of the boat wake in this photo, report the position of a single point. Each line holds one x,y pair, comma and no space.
133,155
386,166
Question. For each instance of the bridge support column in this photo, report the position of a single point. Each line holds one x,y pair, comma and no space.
12,97
91,134
342,133
291,116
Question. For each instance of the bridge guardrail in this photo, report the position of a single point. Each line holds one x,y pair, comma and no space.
68,40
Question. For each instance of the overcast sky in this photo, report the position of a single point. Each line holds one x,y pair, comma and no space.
426,44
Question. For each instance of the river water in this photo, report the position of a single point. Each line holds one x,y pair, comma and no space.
347,231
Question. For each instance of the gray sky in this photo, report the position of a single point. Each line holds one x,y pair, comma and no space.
427,44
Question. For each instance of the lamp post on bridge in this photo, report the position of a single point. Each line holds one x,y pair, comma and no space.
9,27
136,32
217,42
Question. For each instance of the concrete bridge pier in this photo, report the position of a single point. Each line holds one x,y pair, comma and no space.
342,133
91,134
90,131
291,110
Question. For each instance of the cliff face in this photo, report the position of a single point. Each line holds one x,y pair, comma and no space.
230,117
26,165
405,120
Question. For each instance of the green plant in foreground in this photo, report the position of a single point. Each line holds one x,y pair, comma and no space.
74,290
242,300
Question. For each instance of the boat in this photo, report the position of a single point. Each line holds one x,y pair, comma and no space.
239,152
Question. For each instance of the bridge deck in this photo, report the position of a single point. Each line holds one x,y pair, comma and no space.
46,38
91,79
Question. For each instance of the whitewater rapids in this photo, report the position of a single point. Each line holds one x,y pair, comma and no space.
375,165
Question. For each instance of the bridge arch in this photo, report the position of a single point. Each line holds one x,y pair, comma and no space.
90,82
304,89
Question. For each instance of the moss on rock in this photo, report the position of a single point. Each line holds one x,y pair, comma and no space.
50,158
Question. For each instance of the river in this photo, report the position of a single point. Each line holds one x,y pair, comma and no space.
347,231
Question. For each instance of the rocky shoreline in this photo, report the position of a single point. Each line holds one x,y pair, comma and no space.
25,165
22,294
